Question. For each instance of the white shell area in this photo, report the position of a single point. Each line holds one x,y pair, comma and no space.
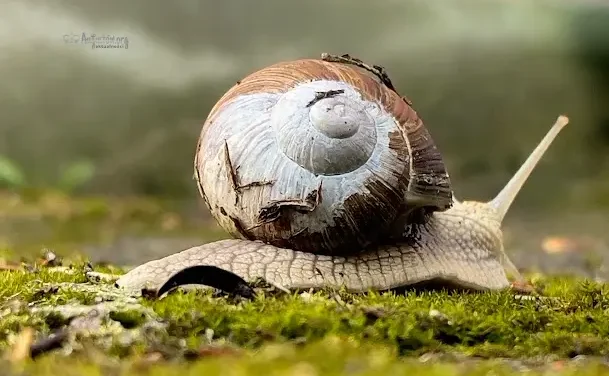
281,148
332,136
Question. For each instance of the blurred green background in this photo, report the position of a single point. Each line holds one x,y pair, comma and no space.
488,78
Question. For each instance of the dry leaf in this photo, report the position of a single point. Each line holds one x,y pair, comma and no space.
8,265
49,259
21,349
212,351
170,221
218,351
558,365
523,287
558,244
148,361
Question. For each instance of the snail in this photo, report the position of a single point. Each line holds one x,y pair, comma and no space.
325,176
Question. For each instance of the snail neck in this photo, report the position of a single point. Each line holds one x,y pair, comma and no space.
480,222
476,226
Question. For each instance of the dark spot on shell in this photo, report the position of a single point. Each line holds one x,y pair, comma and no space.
397,143
344,238
324,94
222,211
273,211
239,227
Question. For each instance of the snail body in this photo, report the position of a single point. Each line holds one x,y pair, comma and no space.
325,176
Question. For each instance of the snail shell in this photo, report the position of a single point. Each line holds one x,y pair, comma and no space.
317,155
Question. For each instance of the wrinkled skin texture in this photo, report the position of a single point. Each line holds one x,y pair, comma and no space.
461,246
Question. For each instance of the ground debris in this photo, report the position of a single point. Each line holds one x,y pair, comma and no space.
212,350
117,323
12,306
99,292
60,269
9,265
97,277
262,286
50,343
439,316
50,259
70,311
45,292
545,364
21,348
525,287
374,313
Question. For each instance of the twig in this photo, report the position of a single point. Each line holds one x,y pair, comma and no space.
52,342
324,94
233,176
377,70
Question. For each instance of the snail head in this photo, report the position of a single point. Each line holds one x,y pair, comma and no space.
493,212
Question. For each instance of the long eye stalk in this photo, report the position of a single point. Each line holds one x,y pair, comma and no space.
502,202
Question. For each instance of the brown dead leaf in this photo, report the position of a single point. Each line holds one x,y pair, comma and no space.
9,265
523,287
151,358
147,361
558,365
49,259
154,357
21,349
212,351
559,244
218,351
170,221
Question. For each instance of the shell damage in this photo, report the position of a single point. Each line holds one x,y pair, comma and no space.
316,155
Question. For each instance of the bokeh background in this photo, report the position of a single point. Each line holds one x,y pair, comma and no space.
120,125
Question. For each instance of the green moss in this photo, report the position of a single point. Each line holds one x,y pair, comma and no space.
494,324
128,319
326,332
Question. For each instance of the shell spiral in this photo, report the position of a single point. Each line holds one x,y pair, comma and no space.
316,156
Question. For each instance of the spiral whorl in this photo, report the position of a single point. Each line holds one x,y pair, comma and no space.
316,156
325,127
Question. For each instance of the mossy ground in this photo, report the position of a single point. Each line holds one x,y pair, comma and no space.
323,333
327,332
